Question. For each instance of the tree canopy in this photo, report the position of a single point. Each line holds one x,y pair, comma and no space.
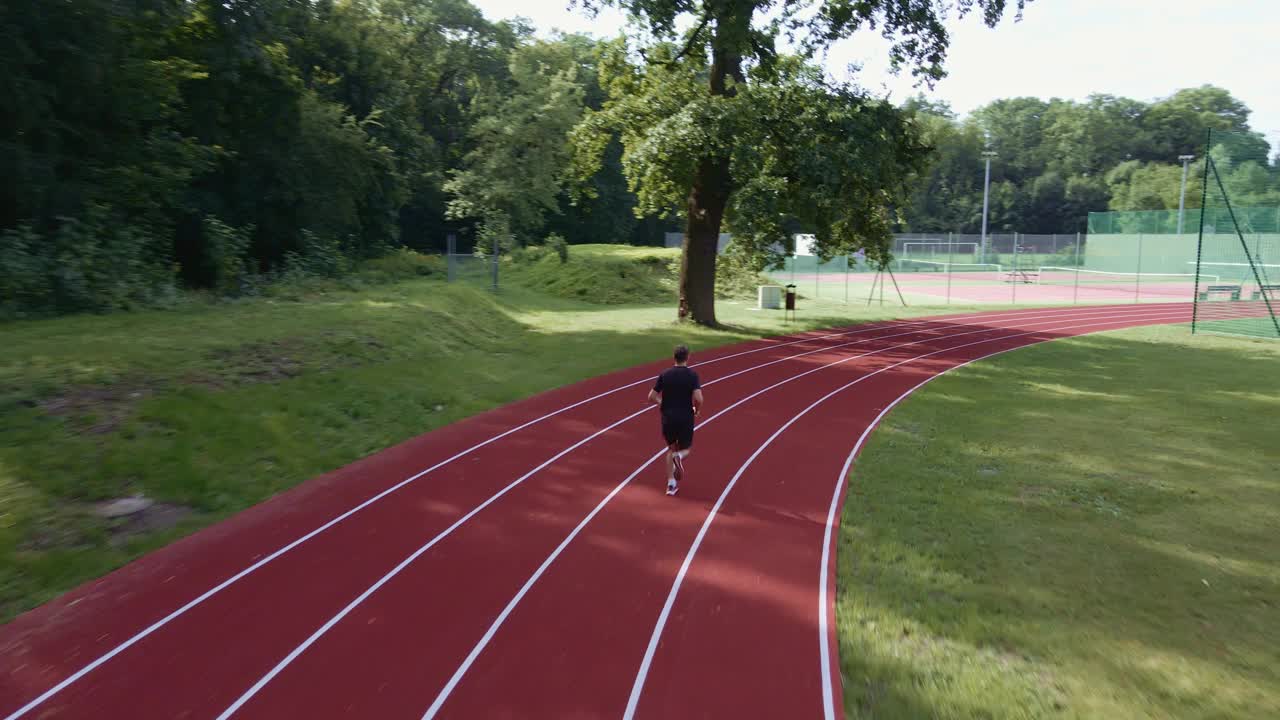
718,121
216,144
1058,160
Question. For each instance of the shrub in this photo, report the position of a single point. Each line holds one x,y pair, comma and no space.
317,255
226,252
96,263
557,244
401,264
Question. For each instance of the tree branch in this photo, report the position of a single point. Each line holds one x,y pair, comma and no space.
688,46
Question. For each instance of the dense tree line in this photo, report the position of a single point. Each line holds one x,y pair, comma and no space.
155,143
151,145
1058,160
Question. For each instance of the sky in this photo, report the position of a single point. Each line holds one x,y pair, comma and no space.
1141,49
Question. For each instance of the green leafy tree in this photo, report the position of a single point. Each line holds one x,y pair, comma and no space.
1178,125
948,195
512,179
716,120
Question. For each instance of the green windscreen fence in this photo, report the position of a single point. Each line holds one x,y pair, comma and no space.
1142,250
1238,248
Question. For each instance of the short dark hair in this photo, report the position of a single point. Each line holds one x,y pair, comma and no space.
682,353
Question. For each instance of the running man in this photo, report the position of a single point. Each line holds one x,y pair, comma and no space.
678,393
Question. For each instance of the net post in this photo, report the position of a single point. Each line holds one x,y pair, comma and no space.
1204,199
1226,199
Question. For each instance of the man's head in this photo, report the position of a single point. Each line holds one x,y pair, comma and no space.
682,354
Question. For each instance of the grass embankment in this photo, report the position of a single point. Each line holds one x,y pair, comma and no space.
1084,529
619,275
209,408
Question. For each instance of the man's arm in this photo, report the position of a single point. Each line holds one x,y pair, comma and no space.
697,402
655,395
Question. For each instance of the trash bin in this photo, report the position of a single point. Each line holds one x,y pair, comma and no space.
791,302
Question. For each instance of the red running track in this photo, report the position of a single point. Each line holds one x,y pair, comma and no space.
526,562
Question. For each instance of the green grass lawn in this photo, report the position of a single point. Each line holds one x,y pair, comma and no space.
212,408
1083,529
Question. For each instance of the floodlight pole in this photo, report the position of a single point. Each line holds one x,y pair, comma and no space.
1182,196
986,188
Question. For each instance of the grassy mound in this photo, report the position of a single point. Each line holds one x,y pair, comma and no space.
600,274
618,274
208,408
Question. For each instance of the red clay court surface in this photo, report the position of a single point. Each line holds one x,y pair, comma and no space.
526,563
979,288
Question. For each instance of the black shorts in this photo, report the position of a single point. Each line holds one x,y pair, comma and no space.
678,432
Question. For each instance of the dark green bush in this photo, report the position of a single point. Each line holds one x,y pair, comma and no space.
95,264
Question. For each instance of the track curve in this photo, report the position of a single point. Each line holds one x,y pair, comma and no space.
525,562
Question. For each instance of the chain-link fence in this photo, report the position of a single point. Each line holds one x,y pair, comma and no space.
1114,263
468,263
949,268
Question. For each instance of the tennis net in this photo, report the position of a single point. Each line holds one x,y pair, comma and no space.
910,265
1138,284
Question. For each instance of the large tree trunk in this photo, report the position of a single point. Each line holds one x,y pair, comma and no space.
707,200
712,185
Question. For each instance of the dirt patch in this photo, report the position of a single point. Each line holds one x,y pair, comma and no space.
96,409
155,518
286,358
72,525
102,409
262,362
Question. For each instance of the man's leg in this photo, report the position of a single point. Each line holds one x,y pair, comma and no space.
670,434
680,449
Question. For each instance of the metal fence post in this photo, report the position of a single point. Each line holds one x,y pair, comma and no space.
846,279
951,258
1075,294
496,247
1137,276
1013,276
451,249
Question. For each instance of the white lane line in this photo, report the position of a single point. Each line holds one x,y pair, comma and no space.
462,669
828,692
297,651
104,658
642,675
125,645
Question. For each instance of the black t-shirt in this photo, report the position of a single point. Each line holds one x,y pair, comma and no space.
677,385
